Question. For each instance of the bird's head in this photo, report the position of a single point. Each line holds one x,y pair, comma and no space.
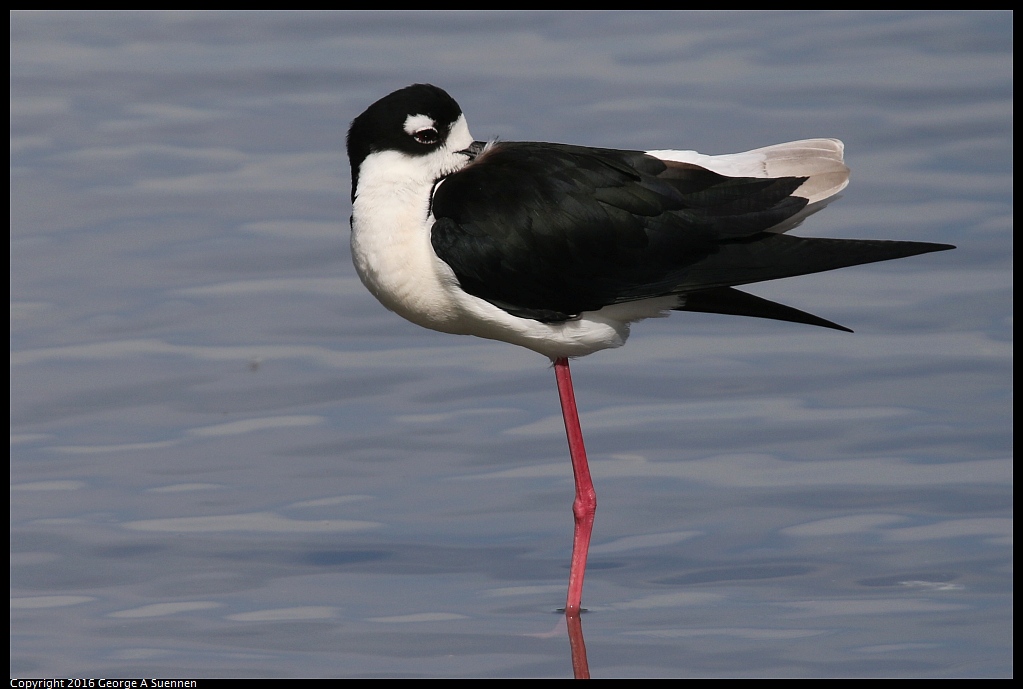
417,133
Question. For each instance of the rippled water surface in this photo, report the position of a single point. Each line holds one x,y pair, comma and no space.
228,460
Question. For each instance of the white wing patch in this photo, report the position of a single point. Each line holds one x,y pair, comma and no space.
821,160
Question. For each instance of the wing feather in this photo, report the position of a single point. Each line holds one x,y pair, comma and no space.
548,231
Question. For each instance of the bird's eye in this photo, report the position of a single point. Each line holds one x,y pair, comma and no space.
427,135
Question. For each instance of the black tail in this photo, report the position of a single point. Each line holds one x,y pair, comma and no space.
772,256
731,301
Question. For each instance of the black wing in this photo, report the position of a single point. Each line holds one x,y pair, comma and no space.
547,231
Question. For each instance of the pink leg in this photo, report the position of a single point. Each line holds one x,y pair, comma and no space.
585,504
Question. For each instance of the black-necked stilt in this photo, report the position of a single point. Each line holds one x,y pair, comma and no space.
560,248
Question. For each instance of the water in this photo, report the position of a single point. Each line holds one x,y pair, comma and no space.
228,460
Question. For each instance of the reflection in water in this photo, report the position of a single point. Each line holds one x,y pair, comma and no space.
580,666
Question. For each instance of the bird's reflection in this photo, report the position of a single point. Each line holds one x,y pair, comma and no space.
580,666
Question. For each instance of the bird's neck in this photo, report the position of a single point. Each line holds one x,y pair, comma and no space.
391,245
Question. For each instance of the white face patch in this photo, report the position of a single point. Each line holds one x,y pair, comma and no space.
414,123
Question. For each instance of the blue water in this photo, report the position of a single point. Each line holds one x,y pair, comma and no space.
228,460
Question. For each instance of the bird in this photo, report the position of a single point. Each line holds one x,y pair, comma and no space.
560,248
